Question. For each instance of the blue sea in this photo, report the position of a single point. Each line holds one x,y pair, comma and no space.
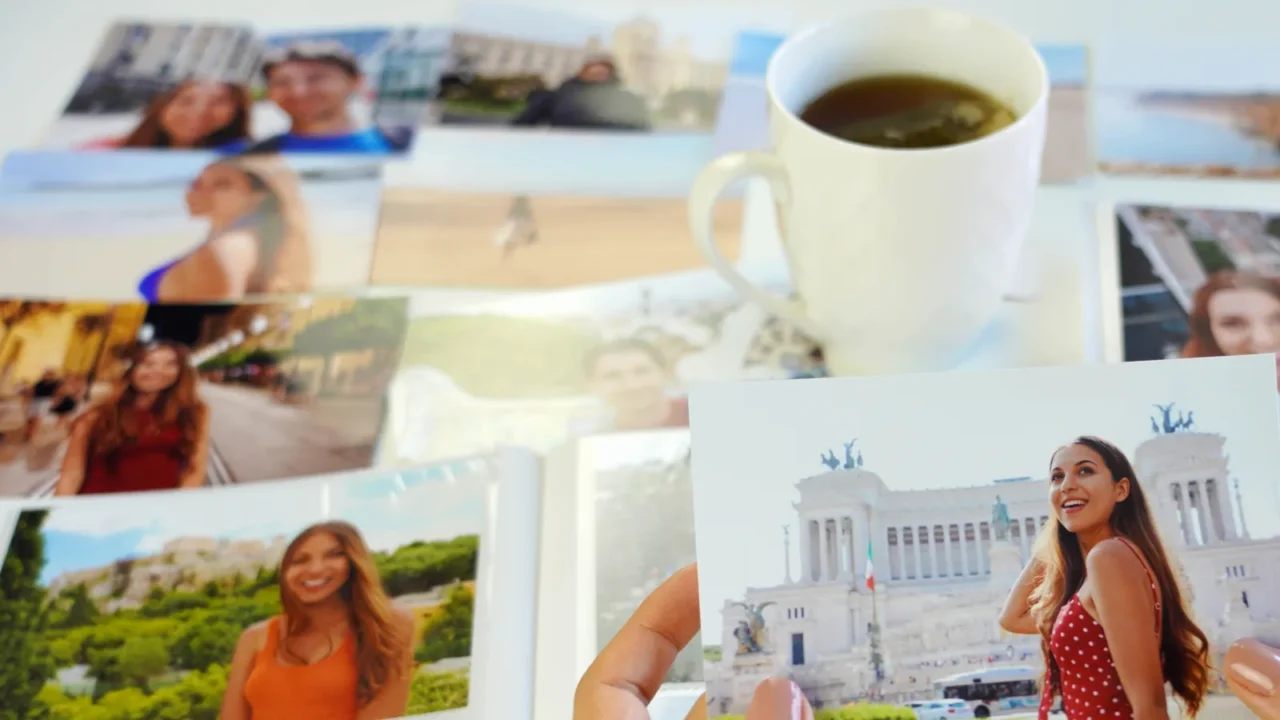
1129,133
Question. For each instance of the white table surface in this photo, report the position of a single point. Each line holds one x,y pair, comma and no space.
45,45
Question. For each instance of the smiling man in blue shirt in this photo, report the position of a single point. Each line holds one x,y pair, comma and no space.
313,83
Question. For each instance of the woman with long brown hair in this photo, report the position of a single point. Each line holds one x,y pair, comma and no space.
194,115
1102,595
1234,313
151,434
340,650
259,239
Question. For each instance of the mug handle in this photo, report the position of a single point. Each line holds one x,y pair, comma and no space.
707,189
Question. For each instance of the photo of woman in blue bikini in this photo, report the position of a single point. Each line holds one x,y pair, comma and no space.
185,226
258,240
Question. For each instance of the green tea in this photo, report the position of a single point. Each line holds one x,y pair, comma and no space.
907,111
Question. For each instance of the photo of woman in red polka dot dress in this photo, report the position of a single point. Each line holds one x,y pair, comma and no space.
1102,595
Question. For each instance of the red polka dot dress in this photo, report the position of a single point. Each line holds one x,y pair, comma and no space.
1090,685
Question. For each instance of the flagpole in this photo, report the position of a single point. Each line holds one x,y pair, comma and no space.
877,660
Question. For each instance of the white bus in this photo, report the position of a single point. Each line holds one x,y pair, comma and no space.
994,691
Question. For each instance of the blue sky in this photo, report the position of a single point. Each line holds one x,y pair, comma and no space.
1180,66
359,41
22,169
710,31
947,430
391,508
1067,64
638,165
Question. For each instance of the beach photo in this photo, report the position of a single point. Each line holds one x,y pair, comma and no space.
1198,282
310,598
638,488
905,541
101,398
1176,110
360,90
571,67
497,240
228,89
743,123
535,371
184,227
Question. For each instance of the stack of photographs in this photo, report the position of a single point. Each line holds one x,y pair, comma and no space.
282,304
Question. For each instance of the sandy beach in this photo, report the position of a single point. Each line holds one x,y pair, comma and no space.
430,237
1066,148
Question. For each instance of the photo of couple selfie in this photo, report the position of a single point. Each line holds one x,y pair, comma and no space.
231,90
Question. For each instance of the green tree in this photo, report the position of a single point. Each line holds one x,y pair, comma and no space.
433,692
25,666
448,633
140,659
81,610
204,643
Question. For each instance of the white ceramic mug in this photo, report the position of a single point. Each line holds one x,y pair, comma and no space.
901,257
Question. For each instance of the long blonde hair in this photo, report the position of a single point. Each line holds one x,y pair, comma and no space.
284,229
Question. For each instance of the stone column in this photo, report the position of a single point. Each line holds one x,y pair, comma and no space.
1184,514
823,549
1202,516
1223,530
946,545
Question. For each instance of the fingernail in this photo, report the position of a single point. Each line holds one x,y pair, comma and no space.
1262,684
775,699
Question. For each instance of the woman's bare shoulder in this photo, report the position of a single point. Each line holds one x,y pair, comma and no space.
402,617
1113,560
254,637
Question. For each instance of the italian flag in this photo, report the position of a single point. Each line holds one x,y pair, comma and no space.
871,574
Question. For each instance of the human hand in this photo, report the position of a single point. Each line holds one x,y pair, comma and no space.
628,672
1253,673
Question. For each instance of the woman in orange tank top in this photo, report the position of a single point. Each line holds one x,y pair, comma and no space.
340,650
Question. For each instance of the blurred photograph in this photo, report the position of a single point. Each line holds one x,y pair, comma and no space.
535,371
164,86
643,527
349,91
228,89
101,398
444,238
304,599
1171,110
743,114
574,68
1198,282
184,227
940,543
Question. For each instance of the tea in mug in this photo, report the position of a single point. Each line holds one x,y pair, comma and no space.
907,111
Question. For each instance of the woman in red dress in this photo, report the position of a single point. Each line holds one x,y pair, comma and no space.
1101,594
153,434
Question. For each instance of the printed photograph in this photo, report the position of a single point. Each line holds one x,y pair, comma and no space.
306,599
184,227
575,67
538,370
444,238
348,91
1198,282
643,527
100,398
1174,110
744,119
911,542
181,86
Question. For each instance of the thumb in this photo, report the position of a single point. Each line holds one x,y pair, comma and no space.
1253,673
779,699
